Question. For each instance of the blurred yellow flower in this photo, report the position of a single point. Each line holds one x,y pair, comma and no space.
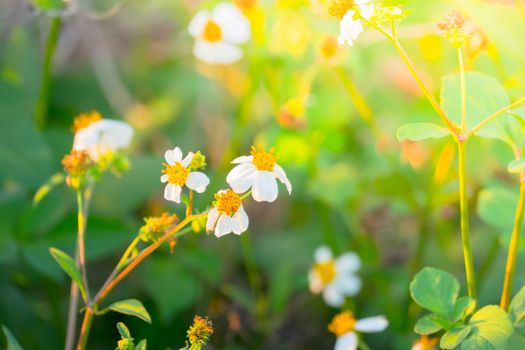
291,34
291,114
327,47
431,47
425,343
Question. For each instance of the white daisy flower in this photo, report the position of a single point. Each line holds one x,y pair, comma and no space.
344,326
218,34
227,214
178,173
101,136
258,172
335,278
349,14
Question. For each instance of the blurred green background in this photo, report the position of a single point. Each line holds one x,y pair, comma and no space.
355,187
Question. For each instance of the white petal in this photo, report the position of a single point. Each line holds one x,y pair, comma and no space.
216,53
264,187
281,175
164,178
169,157
197,181
103,136
242,159
350,28
187,160
197,23
347,284
371,324
240,178
347,341
213,215
224,225
241,220
322,254
172,193
177,154
333,297
235,27
366,10
347,262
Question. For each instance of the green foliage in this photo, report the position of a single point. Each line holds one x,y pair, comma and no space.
454,336
517,311
12,343
43,191
421,131
435,290
68,265
491,329
51,6
132,307
516,166
127,342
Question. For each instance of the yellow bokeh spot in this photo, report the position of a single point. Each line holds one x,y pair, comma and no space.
227,202
426,343
328,47
264,161
431,47
212,32
291,34
325,271
85,119
342,323
177,173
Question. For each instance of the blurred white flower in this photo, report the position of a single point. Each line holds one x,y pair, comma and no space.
178,173
344,325
335,278
218,34
227,214
101,136
259,173
349,13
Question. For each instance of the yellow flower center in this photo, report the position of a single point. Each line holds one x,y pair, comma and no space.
262,160
228,202
325,271
339,8
212,32
342,323
177,173
85,119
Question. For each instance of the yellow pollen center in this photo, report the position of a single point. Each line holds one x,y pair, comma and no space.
212,32
262,160
85,119
228,202
339,8
325,271
177,173
342,323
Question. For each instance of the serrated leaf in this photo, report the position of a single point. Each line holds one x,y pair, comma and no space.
427,325
516,166
454,337
463,307
68,265
517,311
123,330
491,329
435,290
12,343
421,131
132,307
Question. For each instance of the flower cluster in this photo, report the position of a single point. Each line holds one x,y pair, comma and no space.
200,332
155,227
454,28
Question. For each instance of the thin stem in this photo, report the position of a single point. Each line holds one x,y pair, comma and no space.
85,329
246,195
189,207
465,238
45,80
513,250
80,240
495,115
463,91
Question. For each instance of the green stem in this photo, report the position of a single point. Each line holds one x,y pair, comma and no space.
246,195
85,329
465,238
463,92
495,115
41,107
513,250
80,240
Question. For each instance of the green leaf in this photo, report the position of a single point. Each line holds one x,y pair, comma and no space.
123,330
49,5
132,307
435,290
517,311
55,180
485,96
421,131
12,343
463,307
454,337
427,325
68,265
142,345
516,166
496,206
491,329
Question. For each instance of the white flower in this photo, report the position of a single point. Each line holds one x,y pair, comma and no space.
178,173
344,324
218,33
103,136
335,278
259,173
227,214
350,24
